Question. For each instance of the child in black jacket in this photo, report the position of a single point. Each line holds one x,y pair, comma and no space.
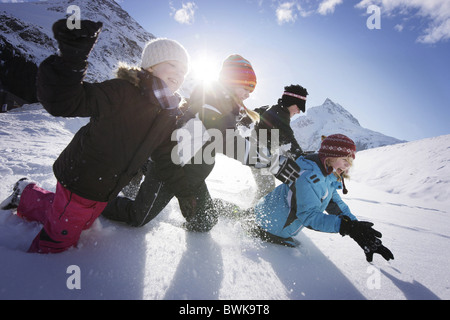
129,118
278,117
181,168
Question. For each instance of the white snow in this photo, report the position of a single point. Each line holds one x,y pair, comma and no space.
403,189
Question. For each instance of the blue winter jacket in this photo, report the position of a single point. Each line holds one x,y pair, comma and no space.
287,209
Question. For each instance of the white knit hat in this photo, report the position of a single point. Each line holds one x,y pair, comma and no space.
160,50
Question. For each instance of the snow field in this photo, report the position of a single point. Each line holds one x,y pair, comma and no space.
163,261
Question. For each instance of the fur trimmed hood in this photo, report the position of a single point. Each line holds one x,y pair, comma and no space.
134,76
130,74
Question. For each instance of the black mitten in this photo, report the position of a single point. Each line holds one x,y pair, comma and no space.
382,250
76,44
366,237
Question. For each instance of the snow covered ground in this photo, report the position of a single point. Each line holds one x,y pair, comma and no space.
404,189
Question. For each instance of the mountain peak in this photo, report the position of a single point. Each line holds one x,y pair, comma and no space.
335,110
328,101
330,118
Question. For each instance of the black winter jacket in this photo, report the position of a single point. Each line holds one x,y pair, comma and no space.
216,109
278,117
126,125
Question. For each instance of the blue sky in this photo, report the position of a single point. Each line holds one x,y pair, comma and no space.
394,79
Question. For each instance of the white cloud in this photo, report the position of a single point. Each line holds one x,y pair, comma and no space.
436,13
328,6
285,13
437,32
398,27
186,14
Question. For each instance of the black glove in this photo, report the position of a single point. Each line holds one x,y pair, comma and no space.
287,170
366,237
382,250
76,44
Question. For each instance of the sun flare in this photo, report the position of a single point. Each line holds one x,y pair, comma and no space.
205,68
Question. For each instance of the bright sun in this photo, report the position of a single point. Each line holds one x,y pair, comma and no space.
205,68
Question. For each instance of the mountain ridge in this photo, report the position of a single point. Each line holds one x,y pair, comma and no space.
330,118
27,38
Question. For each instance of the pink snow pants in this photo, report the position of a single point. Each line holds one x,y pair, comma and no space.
64,216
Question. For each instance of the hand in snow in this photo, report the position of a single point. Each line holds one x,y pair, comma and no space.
380,249
76,44
366,237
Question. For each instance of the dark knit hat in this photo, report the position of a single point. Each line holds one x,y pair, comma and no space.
238,72
336,146
294,94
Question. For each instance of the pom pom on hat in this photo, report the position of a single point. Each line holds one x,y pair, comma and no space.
238,72
161,50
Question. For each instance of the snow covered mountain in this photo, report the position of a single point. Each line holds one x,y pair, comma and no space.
26,39
330,118
403,189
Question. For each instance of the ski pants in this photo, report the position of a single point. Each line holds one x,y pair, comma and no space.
153,196
63,213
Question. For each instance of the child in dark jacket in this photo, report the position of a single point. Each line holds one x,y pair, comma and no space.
129,118
278,117
181,168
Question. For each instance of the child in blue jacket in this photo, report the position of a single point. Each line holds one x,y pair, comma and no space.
288,208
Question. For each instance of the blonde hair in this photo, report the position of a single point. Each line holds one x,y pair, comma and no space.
344,174
254,116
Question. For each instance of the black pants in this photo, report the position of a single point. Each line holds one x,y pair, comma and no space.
153,196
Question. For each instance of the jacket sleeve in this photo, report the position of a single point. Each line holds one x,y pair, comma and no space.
275,118
62,92
213,118
340,206
295,150
241,148
220,128
170,173
287,136
182,181
309,209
